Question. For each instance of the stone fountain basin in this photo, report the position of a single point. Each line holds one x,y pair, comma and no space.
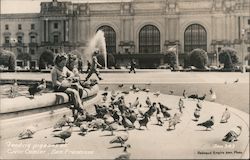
42,110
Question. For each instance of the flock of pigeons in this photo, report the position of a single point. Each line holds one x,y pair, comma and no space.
113,114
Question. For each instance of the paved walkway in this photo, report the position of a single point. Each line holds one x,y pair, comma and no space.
152,76
187,141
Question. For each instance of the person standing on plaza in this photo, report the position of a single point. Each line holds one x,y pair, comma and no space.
94,65
62,81
89,66
132,65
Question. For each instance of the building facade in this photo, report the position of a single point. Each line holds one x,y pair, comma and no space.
140,29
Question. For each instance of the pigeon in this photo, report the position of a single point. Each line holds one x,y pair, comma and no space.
106,88
157,93
13,92
158,117
225,116
125,155
28,132
37,87
163,106
132,87
64,134
174,121
193,96
84,128
144,121
199,105
236,81
151,110
120,85
136,103
202,97
105,94
132,116
96,124
148,101
110,127
213,95
233,134
181,105
119,139
197,114
145,90
184,94
208,124
127,123
171,92
165,113
125,92
62,122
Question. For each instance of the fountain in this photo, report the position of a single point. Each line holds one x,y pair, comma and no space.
96,42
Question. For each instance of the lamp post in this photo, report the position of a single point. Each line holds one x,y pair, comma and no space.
242,45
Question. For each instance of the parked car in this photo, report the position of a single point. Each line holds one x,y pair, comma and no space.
164,66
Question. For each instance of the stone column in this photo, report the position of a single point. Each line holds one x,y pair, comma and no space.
67,30
47,30
122,31
42,29
62,30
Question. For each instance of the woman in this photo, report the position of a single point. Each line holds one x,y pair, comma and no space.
62,81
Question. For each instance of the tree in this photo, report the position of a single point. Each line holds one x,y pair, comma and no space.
8,59
25,57
198,58
170,58
47,58
228,56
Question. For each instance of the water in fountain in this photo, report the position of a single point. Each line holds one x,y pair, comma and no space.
97,42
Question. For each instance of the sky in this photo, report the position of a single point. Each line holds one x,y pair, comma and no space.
33,6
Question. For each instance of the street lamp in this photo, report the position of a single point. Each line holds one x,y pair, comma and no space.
242,45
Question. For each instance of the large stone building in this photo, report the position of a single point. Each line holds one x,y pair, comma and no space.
140,29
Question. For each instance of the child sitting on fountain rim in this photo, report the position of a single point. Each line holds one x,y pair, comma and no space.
62,81
93,68
72,65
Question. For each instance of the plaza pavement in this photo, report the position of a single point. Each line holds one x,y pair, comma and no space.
187,141
146,76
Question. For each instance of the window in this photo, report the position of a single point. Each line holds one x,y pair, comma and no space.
56,50
110,38
248,35
19,26
149,39
6,27
19,39
195,36
32,51
32,26
32,39
248,21
219,49
56,40
248,49
55,25
7,39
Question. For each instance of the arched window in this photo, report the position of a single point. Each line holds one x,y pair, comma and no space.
195,36
149,39
110,38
